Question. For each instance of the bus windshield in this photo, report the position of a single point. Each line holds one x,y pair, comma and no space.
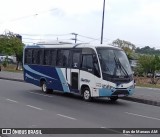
114,62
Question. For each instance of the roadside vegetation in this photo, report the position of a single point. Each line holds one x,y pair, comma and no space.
12,68
147,69
10,44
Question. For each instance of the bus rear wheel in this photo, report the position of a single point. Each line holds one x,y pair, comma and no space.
45,89
114,98
86,94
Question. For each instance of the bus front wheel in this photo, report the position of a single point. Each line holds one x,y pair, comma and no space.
86,94
44,88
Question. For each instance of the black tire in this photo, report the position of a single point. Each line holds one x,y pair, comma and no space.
114,98
87,94
45,89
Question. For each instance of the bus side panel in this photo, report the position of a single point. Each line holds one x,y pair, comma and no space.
30,77
33,74
62,73
87,78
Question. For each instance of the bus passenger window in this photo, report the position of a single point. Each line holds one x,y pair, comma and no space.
40,56
62,58
28,56
87,62
47,57
76,60
35,58
65,58
53,57
59,58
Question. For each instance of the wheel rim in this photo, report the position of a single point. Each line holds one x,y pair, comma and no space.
86,95
44,87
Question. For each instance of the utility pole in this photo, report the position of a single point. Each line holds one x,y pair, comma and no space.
102,22
75,39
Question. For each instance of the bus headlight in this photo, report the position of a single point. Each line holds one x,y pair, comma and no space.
132,87
110,87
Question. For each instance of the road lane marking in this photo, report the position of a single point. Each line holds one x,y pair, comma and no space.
66,116
11,100
142,116
41,94
34,107
32,126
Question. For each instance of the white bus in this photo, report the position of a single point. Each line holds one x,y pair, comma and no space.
84,69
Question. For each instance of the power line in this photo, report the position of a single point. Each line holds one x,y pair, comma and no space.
45,34
67,34
88,37
27,16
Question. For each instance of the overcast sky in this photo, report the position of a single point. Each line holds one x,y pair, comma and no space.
137,21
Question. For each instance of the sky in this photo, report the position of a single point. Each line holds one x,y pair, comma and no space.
136,21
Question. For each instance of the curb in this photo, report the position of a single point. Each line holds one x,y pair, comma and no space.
133,99
12,79
140,100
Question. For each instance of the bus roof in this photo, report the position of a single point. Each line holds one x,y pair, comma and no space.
68,45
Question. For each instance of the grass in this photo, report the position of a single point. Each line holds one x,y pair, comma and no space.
10,68
146,82
148,85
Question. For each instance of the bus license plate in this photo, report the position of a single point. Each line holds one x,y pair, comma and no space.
121,95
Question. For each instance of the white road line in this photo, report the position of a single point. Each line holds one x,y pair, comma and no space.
66,116
32,126
142,116
40,94
34,107
11,100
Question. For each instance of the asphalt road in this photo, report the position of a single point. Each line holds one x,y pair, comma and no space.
23,105
144,95
149,93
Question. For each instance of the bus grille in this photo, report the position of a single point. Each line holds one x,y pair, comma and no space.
120,92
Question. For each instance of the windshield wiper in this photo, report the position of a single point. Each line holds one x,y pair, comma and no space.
120,66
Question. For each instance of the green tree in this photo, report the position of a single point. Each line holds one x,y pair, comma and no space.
11,45
127,46
149,64
148,50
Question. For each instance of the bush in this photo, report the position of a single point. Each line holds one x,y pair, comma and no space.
4,63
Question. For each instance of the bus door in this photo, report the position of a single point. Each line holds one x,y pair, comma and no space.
75,69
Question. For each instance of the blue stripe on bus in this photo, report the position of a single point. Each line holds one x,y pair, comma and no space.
27,75
108,92
131,91
63,81
104,92
55,80
36,72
